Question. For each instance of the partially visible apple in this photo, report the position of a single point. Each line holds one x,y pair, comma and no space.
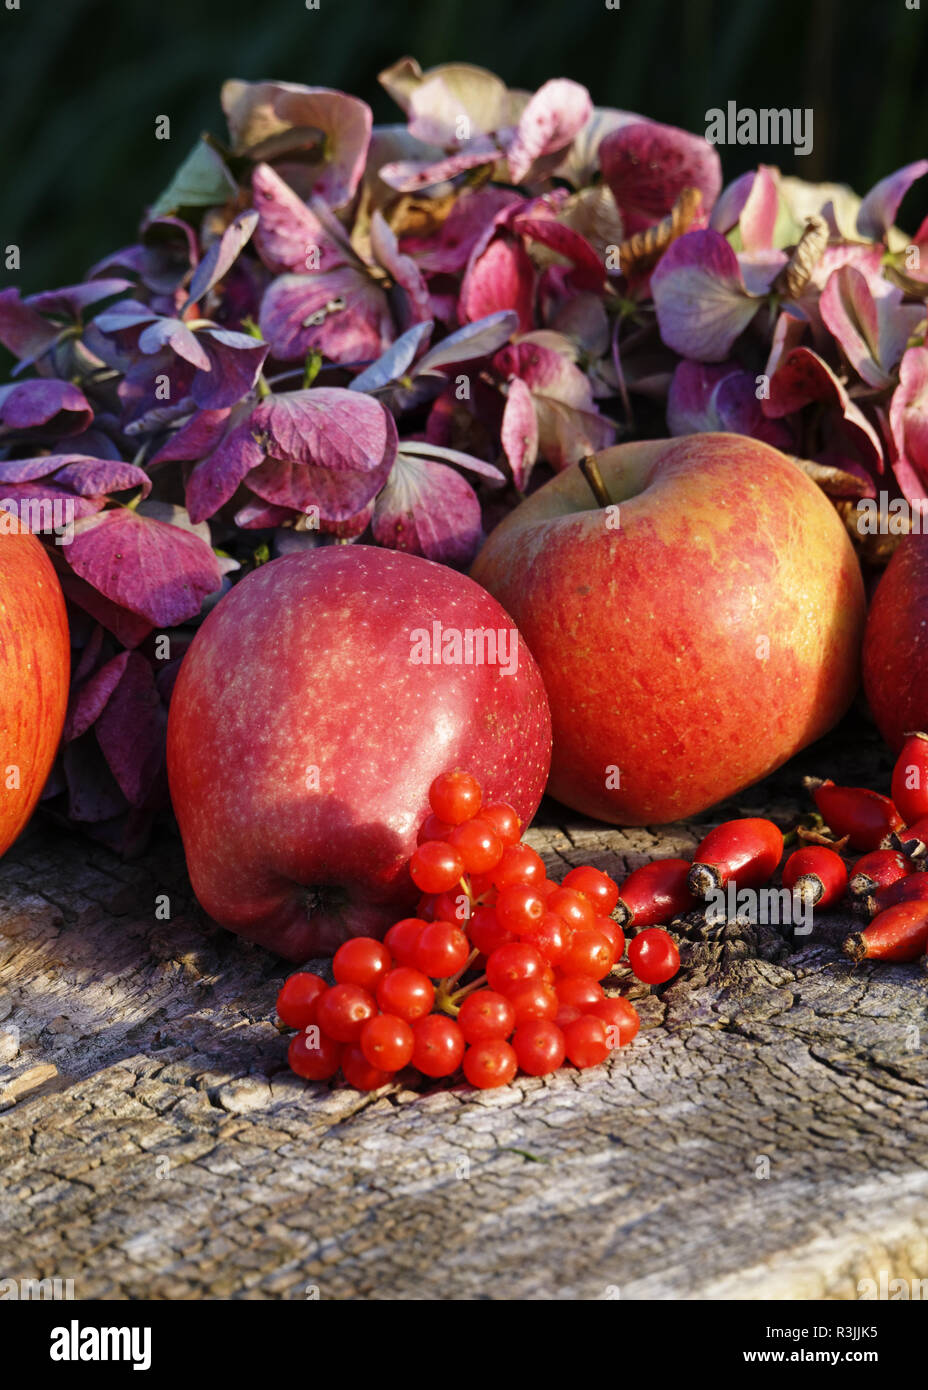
693,636
304,732
896,644
35,664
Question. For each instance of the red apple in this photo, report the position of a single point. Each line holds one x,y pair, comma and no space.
896,644
305,730
692,637
35,662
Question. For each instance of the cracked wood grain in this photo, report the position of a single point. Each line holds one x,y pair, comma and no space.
765,1136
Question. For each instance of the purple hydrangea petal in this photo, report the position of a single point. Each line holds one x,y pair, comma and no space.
428,509
700,298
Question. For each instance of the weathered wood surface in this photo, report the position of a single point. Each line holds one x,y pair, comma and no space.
153,1145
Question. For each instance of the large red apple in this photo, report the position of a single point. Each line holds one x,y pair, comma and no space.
692,637
896,644
35,662
305,729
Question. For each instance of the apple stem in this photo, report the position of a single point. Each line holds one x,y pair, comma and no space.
590,470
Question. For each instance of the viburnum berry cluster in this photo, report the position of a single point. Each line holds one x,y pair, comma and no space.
500,972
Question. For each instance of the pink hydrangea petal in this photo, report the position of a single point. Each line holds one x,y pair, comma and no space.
647,165
877,212
428,509
519,433
554,115
700,298
501,276
343,313
290,235
159,571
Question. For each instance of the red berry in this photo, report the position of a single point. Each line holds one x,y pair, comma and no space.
343,1010
586,1042
401,939
566,1013
314,1063
486,932
361,961
359,1073
455,797
490,1064
478,844
519,908
550,937
539,1046
406,992
512,965
615,934
589,953
519,864
898,933
533,1000
653,956
504,820
435,867
580,991
547,888
298,997
441,950
621,1020
387,1042
576,910
433,829
484,1015
439,1045
599,888
453,906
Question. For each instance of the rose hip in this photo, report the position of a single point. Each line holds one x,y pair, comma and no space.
744,851
654,893
879,869
898,934
816,875
912,888
910,778
913,839
863,816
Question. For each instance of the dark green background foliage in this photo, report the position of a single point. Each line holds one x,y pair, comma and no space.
83,80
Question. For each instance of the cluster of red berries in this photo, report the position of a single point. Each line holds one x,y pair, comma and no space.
500,972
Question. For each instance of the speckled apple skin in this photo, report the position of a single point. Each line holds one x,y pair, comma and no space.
896,644
648,635
306,664
35,664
